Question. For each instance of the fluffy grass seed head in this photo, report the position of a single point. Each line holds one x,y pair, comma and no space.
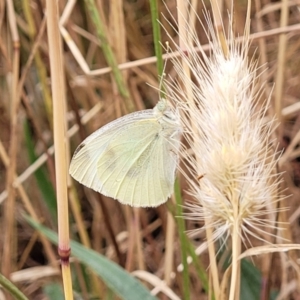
228,139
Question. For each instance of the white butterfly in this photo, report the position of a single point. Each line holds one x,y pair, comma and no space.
132,159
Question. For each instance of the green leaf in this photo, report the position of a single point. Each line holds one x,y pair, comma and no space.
251,278
116,278
53,291
250,281
42,179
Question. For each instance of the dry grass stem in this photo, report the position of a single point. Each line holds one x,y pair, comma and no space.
59,125
240,188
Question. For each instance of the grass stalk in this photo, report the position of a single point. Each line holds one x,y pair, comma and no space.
108,53
184,44
59,100
212,258
183,242
235,264
170,241
41,68
9,251
198,266
279,86
156,37
159,67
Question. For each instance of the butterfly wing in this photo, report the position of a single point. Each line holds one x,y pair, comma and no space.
83,165
129,160
132,159
157,183
139,168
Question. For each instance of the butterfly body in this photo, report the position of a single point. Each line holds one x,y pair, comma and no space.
132,159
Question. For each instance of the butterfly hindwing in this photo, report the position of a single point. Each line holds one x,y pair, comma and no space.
122,168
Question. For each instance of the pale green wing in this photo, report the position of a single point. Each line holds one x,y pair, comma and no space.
83,165
138,168
132,159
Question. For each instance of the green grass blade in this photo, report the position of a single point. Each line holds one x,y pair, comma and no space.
117,279
44,184
183,242
156,36
108,52
11,288
198,265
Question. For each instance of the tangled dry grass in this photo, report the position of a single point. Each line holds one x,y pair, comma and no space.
137,239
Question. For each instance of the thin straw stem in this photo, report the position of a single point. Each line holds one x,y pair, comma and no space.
59,100
9,251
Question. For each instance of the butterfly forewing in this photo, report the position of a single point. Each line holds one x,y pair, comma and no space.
132,159
83,165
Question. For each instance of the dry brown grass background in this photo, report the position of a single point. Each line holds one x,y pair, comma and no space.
110,228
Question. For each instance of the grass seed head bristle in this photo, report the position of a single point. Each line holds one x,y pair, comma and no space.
228,138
